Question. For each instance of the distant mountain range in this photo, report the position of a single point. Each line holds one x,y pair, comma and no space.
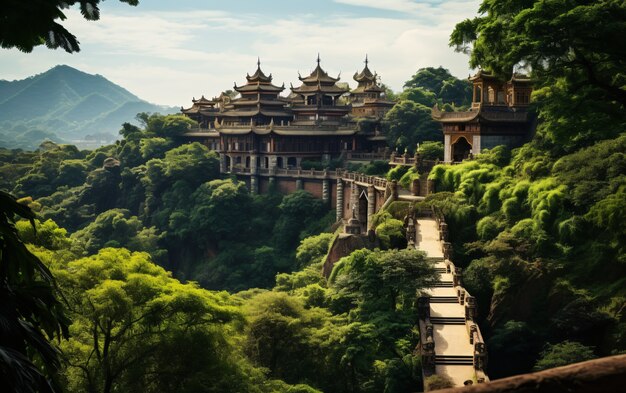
64,104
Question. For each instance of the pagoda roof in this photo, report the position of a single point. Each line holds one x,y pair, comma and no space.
254,112
202,101
284,131
502,115
363,88
258,75
318,75
482,74
258,87
373,102
319,88
520,78
258,82
241,102
365,75
193,110
314,108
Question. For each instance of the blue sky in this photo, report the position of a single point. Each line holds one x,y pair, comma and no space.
169,51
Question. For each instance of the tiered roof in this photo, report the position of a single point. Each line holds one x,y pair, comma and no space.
259,83
199,105
319,82
367,81
258,97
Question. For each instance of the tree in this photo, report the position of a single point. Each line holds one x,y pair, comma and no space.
313,248
297,212
431,150
382,280
411,123
118,228
24,25
29,309
562,354
419,95
429,78
135,328
579,82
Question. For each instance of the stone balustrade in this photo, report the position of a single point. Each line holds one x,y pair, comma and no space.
368,180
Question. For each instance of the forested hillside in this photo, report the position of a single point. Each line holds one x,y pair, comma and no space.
65,104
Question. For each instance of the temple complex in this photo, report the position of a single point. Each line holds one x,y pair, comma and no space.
261,130
498,116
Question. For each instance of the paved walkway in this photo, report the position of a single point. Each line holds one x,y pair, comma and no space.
453,352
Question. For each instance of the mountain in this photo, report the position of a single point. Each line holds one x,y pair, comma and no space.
65,104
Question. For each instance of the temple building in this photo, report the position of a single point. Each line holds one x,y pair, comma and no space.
499,116
367,98
259,130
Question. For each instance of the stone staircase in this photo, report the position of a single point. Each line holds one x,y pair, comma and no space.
450,341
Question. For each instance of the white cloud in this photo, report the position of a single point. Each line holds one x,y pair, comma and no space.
167,58
404,6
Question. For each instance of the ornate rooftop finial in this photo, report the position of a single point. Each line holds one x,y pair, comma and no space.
258,62
366,60
318,58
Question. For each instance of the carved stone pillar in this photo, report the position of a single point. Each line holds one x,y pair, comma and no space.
223,168
371,204
430,186
254,184
415,187
339,208
253,164
326,191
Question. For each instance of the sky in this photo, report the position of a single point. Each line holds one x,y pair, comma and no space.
168,51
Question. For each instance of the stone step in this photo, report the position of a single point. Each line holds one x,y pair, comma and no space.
441,270
454,359
444,299
447,320
443,284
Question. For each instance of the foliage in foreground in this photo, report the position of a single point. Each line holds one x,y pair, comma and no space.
30,312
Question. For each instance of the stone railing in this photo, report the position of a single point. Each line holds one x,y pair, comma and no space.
375,181
365,179
426,348
414,160
368,156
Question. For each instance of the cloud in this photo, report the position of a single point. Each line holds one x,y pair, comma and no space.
168,57
404,6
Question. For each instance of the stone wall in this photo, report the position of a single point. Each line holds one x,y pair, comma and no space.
343,245
594,376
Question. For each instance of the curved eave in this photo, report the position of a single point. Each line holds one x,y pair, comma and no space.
202,134
259,87
190,111
313,108
261,130
442,118
482,117
336,90
254,113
